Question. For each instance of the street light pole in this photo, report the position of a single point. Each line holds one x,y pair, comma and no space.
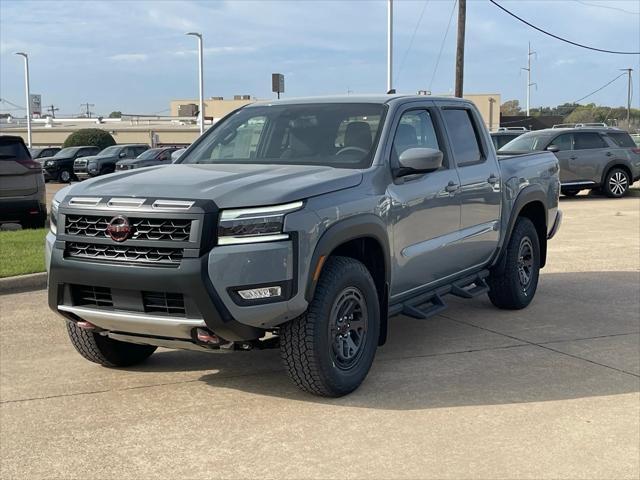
28,94
628,70
201,77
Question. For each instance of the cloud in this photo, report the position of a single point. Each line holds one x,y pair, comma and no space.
129,57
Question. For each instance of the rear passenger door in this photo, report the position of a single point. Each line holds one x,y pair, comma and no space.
480,190
424,211
592,153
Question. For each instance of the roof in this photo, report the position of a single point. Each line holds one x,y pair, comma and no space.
579,129
372,98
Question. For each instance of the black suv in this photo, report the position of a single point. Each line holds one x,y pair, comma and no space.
105,161
60,166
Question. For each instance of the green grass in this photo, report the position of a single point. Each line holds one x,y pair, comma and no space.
21,252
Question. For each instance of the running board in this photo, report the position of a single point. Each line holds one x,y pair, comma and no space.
430,303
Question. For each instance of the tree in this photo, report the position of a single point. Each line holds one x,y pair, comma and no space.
511,107
93,137
116,114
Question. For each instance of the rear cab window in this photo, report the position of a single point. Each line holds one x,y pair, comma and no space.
463,135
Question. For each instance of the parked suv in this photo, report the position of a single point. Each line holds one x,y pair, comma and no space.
22,190
105,161
601,158
148,158
60,166
39,153
302,225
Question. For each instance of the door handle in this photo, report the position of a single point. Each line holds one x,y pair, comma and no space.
451,187
492,179
609,154
572,158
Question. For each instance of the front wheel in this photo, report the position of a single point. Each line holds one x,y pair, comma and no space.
616,183
64,176
329,350
107,351
514,286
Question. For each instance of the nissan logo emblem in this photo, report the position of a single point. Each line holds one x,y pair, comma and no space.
119,228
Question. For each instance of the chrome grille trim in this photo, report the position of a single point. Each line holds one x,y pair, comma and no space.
172,204
126,202
84,202
123,253
155,229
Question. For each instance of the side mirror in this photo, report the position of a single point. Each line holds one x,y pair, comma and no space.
419,160
122,154
553,148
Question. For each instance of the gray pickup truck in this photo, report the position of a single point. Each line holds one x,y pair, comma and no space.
305,225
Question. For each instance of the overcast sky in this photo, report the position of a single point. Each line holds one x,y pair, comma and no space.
134,57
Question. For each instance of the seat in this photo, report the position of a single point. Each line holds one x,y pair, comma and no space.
358,134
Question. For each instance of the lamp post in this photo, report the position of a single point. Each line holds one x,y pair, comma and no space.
28,94
390,46
201,78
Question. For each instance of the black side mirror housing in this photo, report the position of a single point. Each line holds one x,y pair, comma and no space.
419,160
553,149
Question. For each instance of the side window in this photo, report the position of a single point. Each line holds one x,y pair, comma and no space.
241,141
140,150
415,130
588,140
622,139
464,139
564,141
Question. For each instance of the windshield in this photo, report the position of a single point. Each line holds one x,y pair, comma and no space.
66,152
528,142
342,135
110,150
149,154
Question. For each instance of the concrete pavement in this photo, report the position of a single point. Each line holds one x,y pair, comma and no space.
546,392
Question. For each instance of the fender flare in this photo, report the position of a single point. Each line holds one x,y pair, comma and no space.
530,194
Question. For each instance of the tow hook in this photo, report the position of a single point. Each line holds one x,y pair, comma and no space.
85,325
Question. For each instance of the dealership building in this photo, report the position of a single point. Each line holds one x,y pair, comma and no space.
178,129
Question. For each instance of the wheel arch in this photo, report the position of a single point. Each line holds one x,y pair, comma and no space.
364,238
616,164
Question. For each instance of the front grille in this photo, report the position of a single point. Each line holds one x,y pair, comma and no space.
84,295
176,230
121,253
165,303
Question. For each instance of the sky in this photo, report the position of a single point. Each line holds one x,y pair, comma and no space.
133,56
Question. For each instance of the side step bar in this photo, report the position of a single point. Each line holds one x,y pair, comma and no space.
430,303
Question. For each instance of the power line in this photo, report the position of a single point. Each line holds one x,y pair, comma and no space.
560,38
604,86
415,30
609,7
444,39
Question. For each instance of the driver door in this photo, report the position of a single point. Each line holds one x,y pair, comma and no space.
425,210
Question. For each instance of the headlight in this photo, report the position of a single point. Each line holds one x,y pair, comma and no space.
252,225
49,163
53,217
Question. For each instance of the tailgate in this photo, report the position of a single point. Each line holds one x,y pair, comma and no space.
16,178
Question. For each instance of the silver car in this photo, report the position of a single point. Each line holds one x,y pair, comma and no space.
602,158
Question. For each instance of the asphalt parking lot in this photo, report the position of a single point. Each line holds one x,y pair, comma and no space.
547,392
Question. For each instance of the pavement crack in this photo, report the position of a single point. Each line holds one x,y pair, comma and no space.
544,345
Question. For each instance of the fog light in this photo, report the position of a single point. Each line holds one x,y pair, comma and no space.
258,293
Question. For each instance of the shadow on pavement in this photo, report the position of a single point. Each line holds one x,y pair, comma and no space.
473,354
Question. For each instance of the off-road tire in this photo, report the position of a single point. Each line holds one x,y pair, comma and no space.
306,345
506,290
616,183
107,351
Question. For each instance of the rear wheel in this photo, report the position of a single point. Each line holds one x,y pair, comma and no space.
514,286
107,351
329,350
616,183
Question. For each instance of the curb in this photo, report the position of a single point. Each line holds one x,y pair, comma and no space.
23,283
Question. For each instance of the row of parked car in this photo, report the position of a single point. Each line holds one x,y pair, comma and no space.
78,163
591,156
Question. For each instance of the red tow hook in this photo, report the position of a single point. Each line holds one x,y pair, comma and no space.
207,337
85,325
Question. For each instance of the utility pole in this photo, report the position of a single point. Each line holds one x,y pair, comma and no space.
28,94
51,108
390,46
462,18
628,70
86,106
201,78
529,84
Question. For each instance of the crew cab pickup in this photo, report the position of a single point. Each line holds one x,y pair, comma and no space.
303,225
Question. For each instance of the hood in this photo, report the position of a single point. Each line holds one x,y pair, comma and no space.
229,186
134,161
